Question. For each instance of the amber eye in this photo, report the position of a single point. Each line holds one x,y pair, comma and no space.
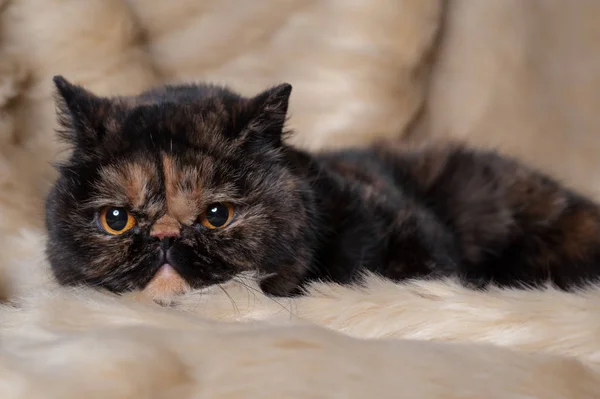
116,220
217,215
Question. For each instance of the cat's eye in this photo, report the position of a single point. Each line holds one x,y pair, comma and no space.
115,220
217,215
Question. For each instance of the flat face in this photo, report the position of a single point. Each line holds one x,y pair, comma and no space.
175,188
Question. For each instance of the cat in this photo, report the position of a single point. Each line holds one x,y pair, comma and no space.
186,186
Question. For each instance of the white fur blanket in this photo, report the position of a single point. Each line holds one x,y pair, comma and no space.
360,68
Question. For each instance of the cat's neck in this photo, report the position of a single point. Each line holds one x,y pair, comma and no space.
301,162
333,205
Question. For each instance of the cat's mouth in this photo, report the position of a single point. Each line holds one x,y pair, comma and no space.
165,283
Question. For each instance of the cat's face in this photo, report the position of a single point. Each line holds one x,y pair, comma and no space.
176,188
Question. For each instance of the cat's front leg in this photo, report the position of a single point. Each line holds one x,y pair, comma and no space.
418,245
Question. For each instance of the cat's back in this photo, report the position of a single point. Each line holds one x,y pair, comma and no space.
356,168
514,223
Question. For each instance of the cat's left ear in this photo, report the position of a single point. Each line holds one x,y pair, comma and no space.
269,114
81,114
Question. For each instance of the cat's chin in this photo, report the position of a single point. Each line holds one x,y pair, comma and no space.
166,284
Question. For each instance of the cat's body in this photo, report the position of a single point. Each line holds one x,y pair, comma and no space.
452,211
187,186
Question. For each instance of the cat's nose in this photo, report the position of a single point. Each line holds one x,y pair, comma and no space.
164,227
165,243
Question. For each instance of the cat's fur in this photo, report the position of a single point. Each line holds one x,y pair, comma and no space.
434,211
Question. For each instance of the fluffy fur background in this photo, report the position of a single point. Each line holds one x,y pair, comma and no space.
520,75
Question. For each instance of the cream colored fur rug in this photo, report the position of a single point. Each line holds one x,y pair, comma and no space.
360,68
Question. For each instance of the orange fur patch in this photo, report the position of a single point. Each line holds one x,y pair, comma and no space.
165,283
181,204
136,184
581,231
166,226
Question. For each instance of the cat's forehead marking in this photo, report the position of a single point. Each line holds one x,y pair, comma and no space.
138,181
183,190
130,182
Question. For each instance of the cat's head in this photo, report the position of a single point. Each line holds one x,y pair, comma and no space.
179,187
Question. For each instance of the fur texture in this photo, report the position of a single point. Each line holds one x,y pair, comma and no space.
128,349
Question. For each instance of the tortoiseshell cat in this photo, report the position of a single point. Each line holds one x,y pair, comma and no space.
186,186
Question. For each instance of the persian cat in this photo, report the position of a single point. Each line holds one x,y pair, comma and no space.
186,186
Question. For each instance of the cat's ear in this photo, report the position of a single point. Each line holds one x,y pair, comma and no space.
81,114
269,112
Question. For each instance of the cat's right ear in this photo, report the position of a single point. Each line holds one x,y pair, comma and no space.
81,114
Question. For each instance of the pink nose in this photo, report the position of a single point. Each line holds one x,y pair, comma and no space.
160,234
166,226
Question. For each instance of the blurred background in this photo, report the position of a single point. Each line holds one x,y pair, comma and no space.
520,76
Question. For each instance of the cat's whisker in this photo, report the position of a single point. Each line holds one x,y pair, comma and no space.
199,295
249,287
264,276
236,310
248,290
